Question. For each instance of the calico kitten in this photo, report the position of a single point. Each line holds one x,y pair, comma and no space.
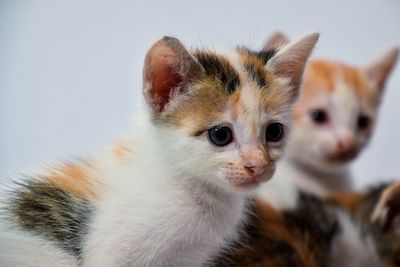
333,120
176,191
346,229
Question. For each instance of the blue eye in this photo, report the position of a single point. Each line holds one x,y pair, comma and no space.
220,135
274,132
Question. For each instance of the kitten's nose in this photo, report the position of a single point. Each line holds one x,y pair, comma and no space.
256,171
255,161
345,142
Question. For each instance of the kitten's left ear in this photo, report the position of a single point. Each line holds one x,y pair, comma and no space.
379,71
168,72
290,60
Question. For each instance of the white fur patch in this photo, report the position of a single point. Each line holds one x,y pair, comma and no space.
21,249
350,248
281,191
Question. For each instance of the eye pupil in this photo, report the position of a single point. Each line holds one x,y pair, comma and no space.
220,135
319,116
274,132
363,122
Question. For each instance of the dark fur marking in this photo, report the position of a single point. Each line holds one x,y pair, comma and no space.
257,247
257,74
313,223
386,241
52,212
263,55
256,71
316,217
220,68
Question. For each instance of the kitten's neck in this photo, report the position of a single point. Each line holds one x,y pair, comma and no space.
210,196
327,179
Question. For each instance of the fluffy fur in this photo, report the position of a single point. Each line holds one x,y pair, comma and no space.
168,195
346,229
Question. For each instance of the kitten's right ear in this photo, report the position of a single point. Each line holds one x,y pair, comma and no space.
168,70
290,60
275,41
379,71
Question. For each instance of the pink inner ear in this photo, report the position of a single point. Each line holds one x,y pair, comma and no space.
162,75
163,78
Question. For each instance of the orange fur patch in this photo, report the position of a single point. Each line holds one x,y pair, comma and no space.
320,74
234,104
207,104
75,178
347,200
324,74
272,224
121,150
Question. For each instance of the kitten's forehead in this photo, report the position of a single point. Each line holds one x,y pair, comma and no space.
328,76
345,88
237,82
345,103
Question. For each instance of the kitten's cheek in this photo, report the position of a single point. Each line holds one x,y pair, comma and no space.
325,148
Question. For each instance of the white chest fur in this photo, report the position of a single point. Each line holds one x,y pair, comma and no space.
147,218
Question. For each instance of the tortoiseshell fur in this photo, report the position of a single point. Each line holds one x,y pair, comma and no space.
304,235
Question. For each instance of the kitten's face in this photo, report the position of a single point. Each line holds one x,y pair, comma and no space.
335,114
238,132
337,108
228,123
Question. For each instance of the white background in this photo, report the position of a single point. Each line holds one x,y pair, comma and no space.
70,70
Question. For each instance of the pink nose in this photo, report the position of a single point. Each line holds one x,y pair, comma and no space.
344,145
255,161
255,171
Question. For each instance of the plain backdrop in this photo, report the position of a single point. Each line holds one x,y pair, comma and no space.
70,71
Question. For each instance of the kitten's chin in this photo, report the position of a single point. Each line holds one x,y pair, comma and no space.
341,158
248,185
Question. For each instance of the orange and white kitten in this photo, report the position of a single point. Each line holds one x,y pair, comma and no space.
212,128
333,120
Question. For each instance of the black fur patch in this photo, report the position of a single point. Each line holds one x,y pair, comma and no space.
257,71
315,217
264,55
52,212
220,68
257,74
